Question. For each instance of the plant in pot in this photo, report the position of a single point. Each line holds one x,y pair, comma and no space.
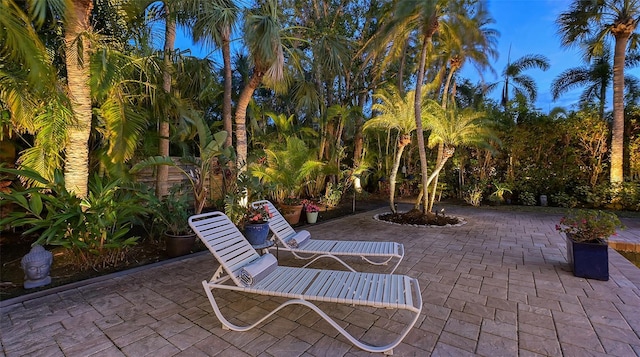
253,222
256,225
288,170
170,218
587,232
311,210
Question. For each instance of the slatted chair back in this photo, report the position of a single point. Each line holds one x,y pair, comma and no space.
224,241
278,225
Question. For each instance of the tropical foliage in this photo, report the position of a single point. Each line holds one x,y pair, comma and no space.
86,90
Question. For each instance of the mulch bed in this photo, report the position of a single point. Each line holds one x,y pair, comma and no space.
416,217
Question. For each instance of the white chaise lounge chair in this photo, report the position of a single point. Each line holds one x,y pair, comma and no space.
243,269
289,240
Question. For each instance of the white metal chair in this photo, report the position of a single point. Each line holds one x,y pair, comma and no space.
302,286
321,248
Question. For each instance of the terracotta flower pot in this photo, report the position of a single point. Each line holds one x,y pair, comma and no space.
291,213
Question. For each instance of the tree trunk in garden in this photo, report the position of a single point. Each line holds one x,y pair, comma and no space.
358,138
78,61
433,27
241,118
226,104
402,143
162,179
617,130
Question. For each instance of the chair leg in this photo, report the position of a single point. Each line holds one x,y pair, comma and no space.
386,349
332,257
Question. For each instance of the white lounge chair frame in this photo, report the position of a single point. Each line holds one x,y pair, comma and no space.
321,248
301,285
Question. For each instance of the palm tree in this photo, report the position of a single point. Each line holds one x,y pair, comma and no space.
522,84
456,128
77,27
590,23
424,16
213,25
595,77
464,40
262,35
22,92
395,113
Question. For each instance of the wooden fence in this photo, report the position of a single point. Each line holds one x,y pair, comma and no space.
215,180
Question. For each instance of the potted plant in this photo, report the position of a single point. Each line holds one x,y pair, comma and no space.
311,210
256,225
587,232
288,170
170,217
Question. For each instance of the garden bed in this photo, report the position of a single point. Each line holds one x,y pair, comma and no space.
13,246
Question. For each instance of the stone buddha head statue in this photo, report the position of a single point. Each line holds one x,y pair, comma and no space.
36,265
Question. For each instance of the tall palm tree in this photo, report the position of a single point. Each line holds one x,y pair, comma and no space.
515,79
596,78
262,29
395,113
77,28
590,23
425,17
213,25
467,39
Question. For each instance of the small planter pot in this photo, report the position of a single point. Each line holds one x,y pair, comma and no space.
291,213
177,245
256,234
312,217
588,260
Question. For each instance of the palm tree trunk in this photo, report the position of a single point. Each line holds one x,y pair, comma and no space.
76,168
439,159
241,118
228,88
392,177
403,60
418,110
162,179
617,130
358,138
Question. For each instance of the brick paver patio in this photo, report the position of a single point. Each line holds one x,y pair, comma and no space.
498,286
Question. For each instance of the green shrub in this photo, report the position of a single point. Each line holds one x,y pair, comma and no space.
565,200
527,198
95,229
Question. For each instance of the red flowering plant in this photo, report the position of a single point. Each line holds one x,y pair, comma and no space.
258,214
589,226
310,206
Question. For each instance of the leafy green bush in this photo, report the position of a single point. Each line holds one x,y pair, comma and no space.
95,229
629,196
565,200
332,195
527,198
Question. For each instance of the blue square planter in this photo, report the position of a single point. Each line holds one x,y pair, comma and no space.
588,260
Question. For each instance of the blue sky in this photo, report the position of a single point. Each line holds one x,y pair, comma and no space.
528,26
